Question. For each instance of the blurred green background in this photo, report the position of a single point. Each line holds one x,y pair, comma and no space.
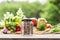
50,10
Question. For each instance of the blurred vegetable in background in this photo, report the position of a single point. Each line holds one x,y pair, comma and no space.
41,24
12,21
50,10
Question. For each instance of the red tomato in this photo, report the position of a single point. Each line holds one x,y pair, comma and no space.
49,26
34,20
18,28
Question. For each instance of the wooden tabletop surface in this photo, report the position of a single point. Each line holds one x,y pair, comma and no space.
56,36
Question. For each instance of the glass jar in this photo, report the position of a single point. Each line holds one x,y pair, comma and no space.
27,26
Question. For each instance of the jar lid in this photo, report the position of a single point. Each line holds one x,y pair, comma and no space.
27,19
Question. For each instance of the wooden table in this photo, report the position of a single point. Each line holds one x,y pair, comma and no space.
31,37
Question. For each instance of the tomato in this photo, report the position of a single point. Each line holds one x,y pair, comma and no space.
49,26
18,28
34,20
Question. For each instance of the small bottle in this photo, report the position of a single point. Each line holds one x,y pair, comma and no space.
27,26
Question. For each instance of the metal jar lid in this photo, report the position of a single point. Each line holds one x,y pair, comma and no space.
26,19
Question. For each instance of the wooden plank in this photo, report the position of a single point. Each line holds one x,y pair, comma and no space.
27,39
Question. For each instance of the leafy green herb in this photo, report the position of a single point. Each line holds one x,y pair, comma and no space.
41,26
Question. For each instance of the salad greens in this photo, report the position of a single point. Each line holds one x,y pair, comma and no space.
11,21
55,29
41,26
